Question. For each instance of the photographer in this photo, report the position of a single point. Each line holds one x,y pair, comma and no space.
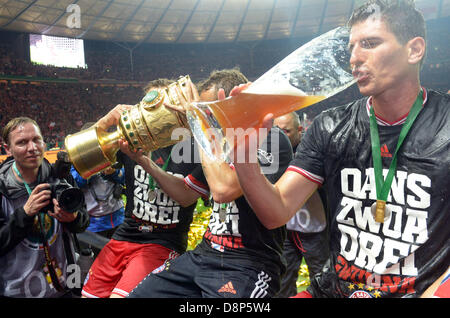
34,227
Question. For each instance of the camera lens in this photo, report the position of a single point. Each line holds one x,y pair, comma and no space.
71,200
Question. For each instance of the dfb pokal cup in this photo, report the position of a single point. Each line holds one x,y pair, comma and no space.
147,125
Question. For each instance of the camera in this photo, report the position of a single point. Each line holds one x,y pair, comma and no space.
70,199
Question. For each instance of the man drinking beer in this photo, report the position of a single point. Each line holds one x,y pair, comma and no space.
383,160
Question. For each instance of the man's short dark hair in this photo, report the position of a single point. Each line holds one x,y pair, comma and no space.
158,83
13,124
401,17
226,79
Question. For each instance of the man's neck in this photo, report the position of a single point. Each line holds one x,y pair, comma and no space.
294,148
28,175
394,104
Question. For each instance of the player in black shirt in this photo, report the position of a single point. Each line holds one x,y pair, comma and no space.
158,214
238,257
400,253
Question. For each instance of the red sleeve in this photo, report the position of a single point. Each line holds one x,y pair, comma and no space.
197,186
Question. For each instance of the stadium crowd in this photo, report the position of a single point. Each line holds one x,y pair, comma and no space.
62,108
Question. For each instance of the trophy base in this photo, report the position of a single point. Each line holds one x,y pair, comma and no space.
207,131
92,151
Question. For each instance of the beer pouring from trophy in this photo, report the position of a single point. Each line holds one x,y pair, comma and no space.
147,125
312,73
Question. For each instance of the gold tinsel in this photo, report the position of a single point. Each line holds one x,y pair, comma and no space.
199,224
303,276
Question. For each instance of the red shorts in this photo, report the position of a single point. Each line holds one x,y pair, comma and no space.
122,265
303,294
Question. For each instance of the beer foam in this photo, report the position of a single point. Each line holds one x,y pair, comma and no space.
268,88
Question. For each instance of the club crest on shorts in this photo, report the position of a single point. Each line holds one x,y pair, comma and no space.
164,266
360,294
159,269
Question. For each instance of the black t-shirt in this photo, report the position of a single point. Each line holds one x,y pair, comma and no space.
161,220
405,254
240,234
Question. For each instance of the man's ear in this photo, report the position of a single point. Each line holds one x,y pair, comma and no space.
8,152
416,50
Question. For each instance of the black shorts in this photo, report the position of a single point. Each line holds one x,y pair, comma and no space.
193,275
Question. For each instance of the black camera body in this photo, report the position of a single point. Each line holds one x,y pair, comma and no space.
70,198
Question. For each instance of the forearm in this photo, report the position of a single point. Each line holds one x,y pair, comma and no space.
262,196
222,180
173,186
112,117
273,204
